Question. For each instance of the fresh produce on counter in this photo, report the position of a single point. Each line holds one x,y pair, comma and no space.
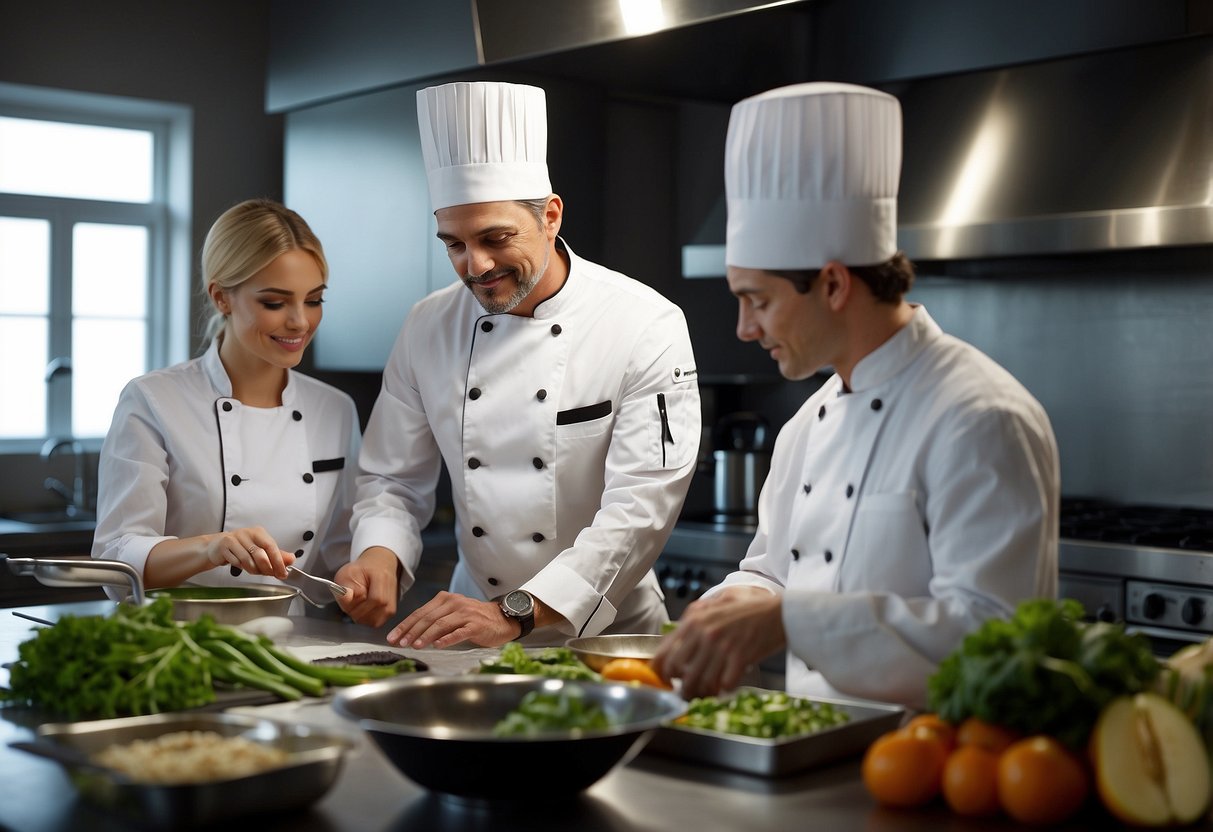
1151,766
637,671
766,714
1187,681
138,660
559,662
542,712
1042,671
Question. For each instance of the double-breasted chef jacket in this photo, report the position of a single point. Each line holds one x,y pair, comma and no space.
184,458
900,514
570,438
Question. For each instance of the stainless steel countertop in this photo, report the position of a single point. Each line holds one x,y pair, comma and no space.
649,793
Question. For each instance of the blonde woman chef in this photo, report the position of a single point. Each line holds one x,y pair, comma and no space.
230,467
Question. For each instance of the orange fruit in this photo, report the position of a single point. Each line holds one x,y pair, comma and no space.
633,670
904,768
945,731
970,781
1041,782
987,735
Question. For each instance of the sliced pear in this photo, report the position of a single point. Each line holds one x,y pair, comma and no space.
1151,767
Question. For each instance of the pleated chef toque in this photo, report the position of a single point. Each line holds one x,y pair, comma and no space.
811,174
484,142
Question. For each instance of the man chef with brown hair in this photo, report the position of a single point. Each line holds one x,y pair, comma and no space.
915,494
562,396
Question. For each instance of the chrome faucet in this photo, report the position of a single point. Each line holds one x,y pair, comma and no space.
77,497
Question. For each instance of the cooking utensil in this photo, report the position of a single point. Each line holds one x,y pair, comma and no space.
741,460
34,619
783,755
227,604
438,731
596,651
334,587
315,759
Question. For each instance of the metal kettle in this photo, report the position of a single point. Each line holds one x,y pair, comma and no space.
742,459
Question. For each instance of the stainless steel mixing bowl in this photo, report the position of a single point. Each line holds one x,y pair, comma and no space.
596,651
438,731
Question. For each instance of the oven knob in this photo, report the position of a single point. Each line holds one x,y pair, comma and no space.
1105,613
1153,606
1193,611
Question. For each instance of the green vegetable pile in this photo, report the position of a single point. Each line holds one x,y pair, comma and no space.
541,712
140,661
1043,671
765,714
560,662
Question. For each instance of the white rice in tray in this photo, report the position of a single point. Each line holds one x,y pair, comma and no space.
190,757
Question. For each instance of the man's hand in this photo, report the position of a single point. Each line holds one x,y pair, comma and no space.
374,584
719,637
448,619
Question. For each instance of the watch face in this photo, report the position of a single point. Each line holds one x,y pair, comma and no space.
518,602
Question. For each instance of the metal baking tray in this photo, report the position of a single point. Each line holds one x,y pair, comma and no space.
316,758
784,755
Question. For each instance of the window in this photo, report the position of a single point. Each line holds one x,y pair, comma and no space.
94,255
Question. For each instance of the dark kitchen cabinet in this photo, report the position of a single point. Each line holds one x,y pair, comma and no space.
354,171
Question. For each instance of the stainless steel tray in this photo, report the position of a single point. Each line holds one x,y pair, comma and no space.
785,755
316,757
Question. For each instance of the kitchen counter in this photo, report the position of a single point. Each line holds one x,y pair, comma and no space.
649,793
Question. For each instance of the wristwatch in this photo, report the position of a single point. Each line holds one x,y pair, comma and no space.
520,606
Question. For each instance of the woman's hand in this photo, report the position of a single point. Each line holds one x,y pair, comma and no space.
251,549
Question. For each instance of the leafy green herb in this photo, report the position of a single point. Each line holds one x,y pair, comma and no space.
1044,670
765,714
140,661
560,662
541,712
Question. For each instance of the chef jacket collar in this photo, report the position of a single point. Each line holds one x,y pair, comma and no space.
560,302
895,354
217,374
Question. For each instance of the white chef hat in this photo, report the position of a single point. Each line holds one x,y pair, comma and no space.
484,141
811,174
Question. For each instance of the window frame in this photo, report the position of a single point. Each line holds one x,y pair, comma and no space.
166,217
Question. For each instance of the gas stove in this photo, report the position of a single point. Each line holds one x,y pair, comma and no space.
1149,566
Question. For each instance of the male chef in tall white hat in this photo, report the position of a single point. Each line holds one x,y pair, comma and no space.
915,494
563,397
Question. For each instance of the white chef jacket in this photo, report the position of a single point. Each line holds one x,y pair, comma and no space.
898,516
570,438
184,458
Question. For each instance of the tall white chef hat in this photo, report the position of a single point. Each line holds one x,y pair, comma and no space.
811,173
484,142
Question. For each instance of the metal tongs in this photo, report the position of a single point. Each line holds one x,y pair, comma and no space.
334,587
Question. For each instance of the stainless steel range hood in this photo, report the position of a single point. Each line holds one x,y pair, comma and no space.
1106,151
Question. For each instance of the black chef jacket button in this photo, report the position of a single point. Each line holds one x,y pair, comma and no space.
308,535
236,479
473,463
677,373
227,406
556,330
477,531
795,554
877,404
487,326
850,490
298,553
538,463
474,393
296,415
807,488
541,395
494,581
829,556
821,414
308,478
537,537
